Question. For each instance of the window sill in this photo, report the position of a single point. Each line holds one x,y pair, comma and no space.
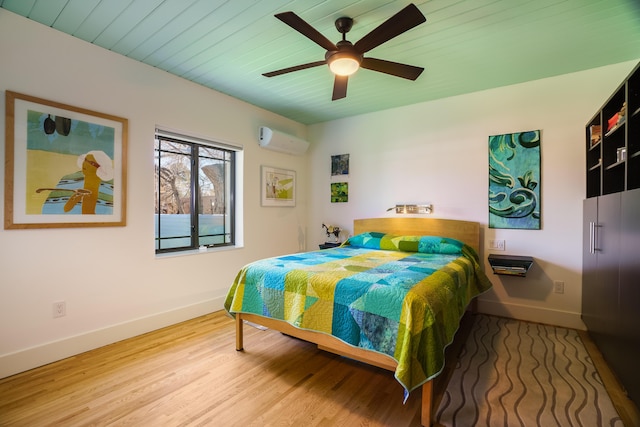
198,251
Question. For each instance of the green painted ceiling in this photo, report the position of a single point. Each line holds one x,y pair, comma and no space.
465,45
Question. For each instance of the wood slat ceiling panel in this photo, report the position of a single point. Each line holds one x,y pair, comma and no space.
172,29
153,23
163,57
465,45
125,21
216,28
231,47
21,7
99,19
46,13
73,15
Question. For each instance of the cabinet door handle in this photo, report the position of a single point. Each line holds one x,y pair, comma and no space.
593,237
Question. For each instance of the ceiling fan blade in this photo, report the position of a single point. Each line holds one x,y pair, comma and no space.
295,68
402,21
394,68
301,26
340,87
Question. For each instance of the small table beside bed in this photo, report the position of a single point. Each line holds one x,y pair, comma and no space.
391,296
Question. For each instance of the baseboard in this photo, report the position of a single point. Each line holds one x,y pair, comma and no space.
33,357
533,314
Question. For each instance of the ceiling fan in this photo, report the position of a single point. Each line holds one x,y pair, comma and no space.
345,58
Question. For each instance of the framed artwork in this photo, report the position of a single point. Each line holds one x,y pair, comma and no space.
340,165
278,187
65,166
339,192
514,180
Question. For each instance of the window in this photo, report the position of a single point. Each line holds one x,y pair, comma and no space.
194,193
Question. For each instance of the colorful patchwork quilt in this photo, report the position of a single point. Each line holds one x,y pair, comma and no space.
402,296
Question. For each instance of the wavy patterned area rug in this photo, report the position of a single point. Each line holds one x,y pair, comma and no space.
514,373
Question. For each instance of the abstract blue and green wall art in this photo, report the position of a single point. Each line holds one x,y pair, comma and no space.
514,180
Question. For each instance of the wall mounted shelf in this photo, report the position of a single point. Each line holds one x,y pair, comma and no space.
329,245
608,170
510,265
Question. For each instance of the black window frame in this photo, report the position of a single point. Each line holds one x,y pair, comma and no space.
197,145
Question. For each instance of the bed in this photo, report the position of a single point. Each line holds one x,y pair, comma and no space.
391,296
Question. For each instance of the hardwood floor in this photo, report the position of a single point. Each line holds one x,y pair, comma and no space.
626,408
189,374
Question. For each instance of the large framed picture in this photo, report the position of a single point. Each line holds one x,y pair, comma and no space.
278,187
514,180
65,166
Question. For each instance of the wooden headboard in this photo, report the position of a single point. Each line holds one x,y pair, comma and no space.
465,231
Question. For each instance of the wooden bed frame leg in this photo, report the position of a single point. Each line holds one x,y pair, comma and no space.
239,333
427,404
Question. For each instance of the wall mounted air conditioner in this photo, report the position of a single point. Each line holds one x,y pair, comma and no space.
280,141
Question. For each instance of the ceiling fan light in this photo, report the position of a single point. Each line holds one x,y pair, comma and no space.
343,64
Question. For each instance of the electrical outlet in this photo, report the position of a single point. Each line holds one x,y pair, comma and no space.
59,309
497,245
558,287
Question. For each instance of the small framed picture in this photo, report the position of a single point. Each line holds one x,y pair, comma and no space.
340,165
278,187
339,192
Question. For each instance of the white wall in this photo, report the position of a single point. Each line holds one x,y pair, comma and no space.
437,152
130,290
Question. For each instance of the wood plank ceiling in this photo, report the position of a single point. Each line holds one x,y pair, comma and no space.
465,45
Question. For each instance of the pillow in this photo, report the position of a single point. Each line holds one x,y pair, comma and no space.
370,240
391,242
440,245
